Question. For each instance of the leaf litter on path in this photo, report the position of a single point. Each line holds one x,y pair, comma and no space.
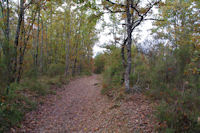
79,107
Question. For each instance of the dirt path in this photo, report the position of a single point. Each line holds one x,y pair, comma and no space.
80,107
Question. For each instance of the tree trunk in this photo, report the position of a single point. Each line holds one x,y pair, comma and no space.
128,47
51,34
123,59
6,49
75,61
67,42
8,22
74,67
38,39
81,55
77,49
41,48
16,42
47,49
22,52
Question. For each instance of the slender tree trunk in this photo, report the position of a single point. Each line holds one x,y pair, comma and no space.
8,22
74,67
34,46
22,51
123,59
88,55
38,39
67,39
76,49
123,47
7,47
81,55
75,61
129,42
16,42
51,39
7,35
47,49
41,49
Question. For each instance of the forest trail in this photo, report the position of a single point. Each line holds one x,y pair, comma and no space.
79,107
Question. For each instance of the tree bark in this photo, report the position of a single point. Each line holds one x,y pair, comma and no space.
16,42
38,38
8,22
67,42
123,59
128,47
75,61
77,49
51,34
22,52
41,48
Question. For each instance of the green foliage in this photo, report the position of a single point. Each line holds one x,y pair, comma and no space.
99,63
170,75
86,72
112,75
2,72
22,98
56,69
56,81
37,60
35,86
31,73
179,112
13,106
140,72
10,115
178,90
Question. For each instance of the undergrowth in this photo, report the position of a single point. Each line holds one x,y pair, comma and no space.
178,111
167,78
25,97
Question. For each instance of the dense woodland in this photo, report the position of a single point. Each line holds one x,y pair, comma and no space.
44,44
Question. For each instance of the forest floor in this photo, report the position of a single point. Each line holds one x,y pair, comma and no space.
79,107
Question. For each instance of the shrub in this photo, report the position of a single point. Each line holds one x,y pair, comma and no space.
105,89
178,111
13,106
56,69
34,85
10,115
3,79
86,72
99,63
31,73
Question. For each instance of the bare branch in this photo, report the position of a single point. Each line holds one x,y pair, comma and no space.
138,13
114,11
142,17
113,3
154,19
29,31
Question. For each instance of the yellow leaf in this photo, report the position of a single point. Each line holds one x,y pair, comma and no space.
124,15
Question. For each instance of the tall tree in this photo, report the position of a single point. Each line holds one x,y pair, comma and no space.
67,38
134,14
